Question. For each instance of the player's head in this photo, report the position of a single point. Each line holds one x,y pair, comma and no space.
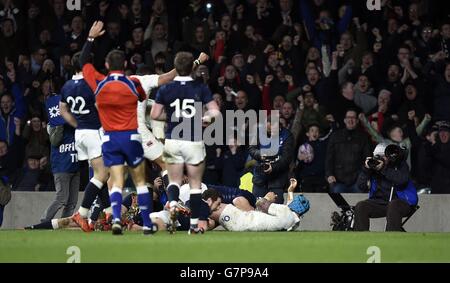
75,61
184,62
212,198
115,61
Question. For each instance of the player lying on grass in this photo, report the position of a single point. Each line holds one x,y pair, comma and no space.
269,216
98,219
242,198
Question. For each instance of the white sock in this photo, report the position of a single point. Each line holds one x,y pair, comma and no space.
83,212
55,224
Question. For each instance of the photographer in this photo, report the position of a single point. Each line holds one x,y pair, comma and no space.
385,171
271,172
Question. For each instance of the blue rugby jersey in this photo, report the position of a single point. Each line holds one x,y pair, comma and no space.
183,101
81,100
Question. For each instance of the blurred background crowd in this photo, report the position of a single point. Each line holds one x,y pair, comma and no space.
343,78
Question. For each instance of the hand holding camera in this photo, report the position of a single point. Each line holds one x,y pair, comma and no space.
374,163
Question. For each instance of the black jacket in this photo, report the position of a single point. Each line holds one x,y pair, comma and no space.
279,177
346,153
386,178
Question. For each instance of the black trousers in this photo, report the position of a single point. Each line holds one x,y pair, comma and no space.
393,211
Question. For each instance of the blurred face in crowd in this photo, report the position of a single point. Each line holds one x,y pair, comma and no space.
200,34
159,31
411,92
261,5
384,97
48,66
280,74
113,29
445,31
396,134
393,73
249,31
313,133
273,127
447,73
287,111
346,40
230,73
272,61
238,61
36,124
392,26
309,100
427,33
225,22
44,36
403,54
7,28
33,163
40,55
46,87
278,102
363,83
65,61
218,99
313,54
444,136
3,148
202,72
286,43
77,25
58,7
138,35
413,12
158,7
285,5
367,60
312,76
136,7
241,100
348,91
6,104
351,120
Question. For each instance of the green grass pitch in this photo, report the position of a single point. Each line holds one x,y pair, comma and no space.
222,246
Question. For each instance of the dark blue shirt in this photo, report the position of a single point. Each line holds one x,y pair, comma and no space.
81,100
183,101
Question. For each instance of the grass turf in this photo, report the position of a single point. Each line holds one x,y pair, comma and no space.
222,246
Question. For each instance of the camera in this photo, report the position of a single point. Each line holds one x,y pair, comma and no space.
395,154
374,162
266,161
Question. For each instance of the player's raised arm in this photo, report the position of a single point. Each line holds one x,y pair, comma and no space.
91,76
169,76
95,31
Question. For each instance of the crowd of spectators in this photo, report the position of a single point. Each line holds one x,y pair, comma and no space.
343,78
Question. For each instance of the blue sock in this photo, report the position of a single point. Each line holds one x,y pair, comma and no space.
115,195
195,203
173,192
145,205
